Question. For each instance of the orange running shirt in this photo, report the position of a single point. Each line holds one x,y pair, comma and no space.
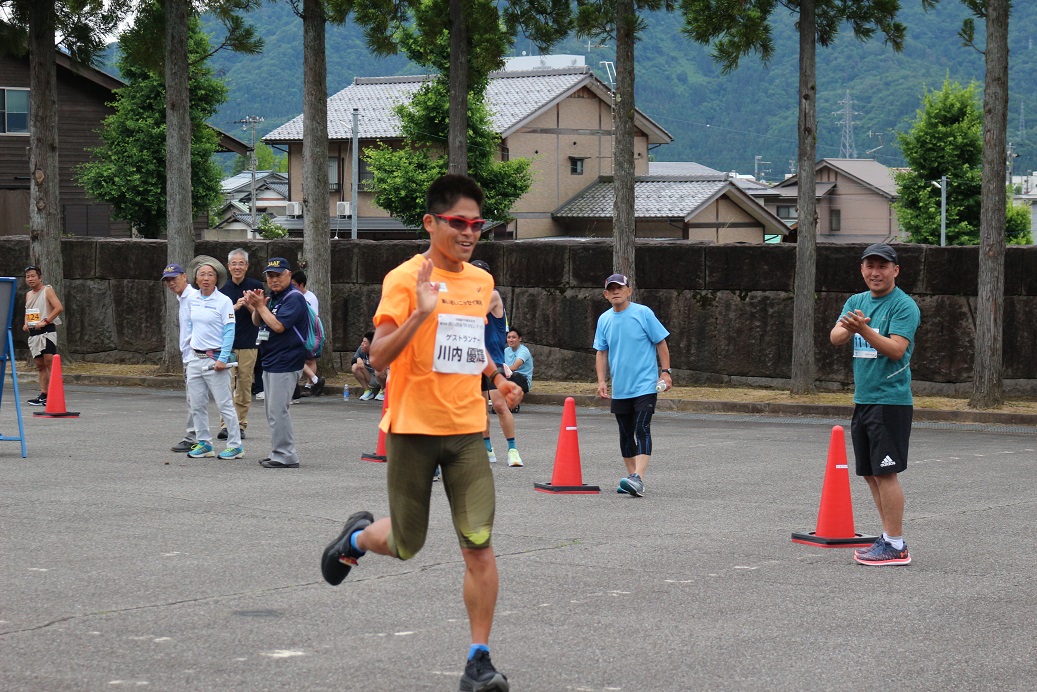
427,395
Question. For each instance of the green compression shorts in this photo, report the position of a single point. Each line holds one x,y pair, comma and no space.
467,480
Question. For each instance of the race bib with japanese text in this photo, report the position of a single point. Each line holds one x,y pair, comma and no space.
459,345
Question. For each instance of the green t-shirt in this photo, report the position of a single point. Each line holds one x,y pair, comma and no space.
877,379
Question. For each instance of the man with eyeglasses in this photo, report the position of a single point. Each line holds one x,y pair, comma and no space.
245,333
42,310
429,327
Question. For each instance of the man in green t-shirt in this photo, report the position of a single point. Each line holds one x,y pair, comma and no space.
881,322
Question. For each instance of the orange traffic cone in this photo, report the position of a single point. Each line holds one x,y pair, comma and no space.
56,395
379,455
567,477
835,517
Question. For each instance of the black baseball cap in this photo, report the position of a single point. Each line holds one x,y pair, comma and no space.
882,250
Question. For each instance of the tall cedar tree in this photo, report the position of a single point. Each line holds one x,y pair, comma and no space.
129,169
988,365
33,27
159,40
736,28
620,20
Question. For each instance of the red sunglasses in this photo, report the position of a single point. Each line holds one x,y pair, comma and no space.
459,223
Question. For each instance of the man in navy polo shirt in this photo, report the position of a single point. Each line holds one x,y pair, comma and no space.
244,335
283,321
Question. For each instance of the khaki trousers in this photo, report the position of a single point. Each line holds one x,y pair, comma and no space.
244,375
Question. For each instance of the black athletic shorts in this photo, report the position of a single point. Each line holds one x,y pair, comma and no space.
880,434
645,402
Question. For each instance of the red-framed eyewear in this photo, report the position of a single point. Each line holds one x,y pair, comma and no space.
459,223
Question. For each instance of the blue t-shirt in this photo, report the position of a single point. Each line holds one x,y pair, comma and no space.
630,337
527,360
876,378
285,352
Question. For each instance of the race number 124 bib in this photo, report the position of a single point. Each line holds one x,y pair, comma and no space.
459,345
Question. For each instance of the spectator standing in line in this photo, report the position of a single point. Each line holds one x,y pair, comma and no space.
496,338
631,345
373,381
245,350
281,318
175,279
212,341
42,315
429,326
314,385
881,322
520,361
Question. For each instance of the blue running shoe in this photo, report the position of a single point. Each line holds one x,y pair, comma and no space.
884,555
202,449
868,548
633,485
232,453
620,491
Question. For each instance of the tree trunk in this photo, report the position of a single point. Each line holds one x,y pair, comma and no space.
316,234
179,225
457,136
44,184
623,247
803,364
988,367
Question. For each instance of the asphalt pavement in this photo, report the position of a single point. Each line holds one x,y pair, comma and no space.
126,565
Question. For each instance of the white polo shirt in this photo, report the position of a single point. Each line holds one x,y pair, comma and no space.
208,316
184,300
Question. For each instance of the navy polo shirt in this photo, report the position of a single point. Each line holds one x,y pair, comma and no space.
285,352
244,331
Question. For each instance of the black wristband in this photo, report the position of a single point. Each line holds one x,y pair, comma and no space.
493,375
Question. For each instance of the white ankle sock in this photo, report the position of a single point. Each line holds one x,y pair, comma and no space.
895,541
314,379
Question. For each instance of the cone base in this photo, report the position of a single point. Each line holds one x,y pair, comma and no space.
566,489
855,541
372,457
67,414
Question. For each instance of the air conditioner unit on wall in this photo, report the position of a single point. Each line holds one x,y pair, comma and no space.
344,209
293,208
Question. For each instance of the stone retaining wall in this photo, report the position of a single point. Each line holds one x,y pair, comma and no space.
729,308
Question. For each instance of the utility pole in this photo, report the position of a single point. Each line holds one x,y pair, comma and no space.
760,169
1010,157
847,146
943,211
353,211
251,121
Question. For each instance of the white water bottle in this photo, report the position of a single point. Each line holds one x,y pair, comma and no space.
660,386
345,393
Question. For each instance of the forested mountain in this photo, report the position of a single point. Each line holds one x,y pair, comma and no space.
722,121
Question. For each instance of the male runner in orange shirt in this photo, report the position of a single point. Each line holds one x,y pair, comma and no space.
429,326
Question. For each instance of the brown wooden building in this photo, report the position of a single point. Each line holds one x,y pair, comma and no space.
83,97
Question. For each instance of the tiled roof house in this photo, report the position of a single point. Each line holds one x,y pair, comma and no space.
854,201
559,118
689,207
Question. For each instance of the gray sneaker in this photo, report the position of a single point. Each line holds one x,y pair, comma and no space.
633,485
